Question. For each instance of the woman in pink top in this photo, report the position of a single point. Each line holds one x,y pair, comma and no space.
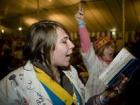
97,58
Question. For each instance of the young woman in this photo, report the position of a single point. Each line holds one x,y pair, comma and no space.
96,56
47,78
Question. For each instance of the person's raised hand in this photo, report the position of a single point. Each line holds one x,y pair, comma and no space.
80,14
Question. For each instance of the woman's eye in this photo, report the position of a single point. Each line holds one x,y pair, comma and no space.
64,41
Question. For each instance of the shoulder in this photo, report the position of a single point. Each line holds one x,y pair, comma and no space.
13,83
14,72
8,85
71,73
72,68
15,77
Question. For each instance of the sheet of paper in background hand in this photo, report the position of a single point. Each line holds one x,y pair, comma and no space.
123,63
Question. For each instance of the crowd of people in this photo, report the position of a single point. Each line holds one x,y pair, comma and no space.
47,76
11,55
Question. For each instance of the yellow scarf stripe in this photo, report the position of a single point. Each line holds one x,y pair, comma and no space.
55,87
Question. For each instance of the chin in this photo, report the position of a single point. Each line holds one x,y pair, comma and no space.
67,65
110,59
64,64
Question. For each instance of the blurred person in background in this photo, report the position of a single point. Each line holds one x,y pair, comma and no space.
133,87
6,59
96,56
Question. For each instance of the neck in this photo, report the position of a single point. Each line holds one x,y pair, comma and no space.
56,74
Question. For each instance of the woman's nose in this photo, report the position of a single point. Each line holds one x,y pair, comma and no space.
71,45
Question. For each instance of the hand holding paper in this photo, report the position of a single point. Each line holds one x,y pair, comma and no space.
112,92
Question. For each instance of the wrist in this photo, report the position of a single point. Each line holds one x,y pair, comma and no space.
103,100
81,23
97,100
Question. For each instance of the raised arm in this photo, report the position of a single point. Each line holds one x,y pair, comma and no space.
83,32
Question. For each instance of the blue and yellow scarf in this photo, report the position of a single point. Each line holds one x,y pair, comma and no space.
57,94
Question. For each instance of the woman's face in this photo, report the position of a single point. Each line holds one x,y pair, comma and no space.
108,53
61,55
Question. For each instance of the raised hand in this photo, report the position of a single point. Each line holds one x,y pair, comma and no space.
80,14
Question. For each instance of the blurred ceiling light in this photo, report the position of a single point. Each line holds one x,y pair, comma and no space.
60,18
113,30
20,28
2,31
49,0
56,17
30,21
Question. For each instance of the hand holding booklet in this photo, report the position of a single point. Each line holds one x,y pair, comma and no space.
124,63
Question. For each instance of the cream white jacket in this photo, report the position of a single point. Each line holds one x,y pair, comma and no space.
95,68
21,87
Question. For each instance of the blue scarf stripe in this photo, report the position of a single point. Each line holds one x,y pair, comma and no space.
55,99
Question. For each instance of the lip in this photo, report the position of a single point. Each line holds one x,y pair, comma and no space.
68,57
69,54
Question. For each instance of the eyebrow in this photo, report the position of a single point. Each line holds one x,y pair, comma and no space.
66,37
